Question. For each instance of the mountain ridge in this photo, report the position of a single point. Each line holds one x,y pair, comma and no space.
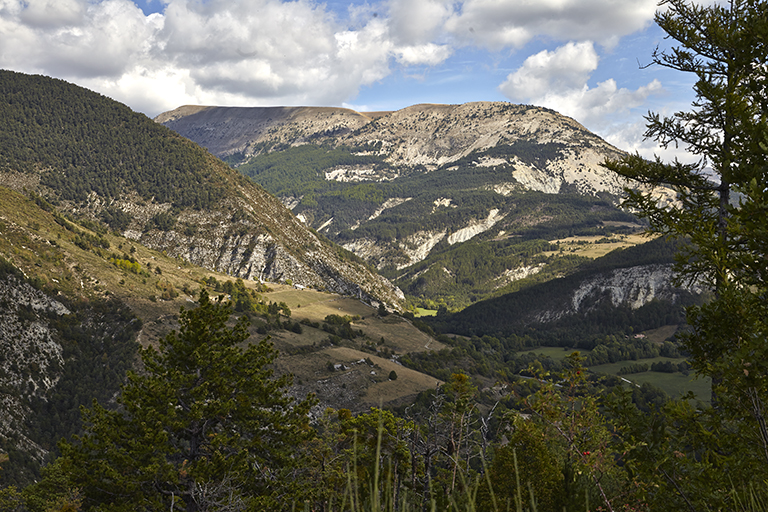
421,181
94,158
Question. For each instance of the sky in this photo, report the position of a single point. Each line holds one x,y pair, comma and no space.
587,59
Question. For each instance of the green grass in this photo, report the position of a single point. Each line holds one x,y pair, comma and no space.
613,368
558,353
425,312
673,384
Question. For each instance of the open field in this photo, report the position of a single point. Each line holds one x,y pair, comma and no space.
676,384
596,246
660,334
399,334
615,367
408,384
360,378
673,384
314,305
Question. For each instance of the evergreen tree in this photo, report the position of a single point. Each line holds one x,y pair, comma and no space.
723,217
205,426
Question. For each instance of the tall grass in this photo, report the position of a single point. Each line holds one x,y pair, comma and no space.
384,497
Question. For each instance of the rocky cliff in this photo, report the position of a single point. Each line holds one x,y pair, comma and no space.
432,136
56,355
31,358
401,189
633,287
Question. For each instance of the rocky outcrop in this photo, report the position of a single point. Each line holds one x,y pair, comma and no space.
265,243
426,135
459,172
31,360
550,153
228,130
633,287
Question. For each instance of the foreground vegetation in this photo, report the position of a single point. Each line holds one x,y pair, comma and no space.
206,426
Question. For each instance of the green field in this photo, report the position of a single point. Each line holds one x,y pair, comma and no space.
613,368
673,384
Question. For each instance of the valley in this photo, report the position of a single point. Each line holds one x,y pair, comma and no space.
467,307
511,235
492,178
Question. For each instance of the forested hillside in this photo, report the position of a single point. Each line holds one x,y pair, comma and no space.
95,159
421,192
628,290
77,300
549,398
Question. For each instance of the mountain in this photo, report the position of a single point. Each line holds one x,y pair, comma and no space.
95,159
454,203
630,289
109,223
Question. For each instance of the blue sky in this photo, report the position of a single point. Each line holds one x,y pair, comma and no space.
580,57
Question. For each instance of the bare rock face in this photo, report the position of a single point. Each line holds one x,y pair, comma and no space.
31,360
227,130
550,153
421,135
632,286
251,235
488,154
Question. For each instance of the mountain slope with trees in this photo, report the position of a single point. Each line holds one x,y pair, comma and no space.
418,193
77,301
96,159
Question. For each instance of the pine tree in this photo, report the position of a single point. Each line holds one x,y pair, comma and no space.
205,426
720,209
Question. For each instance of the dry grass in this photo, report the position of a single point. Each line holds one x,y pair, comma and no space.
399,334
588,247
353,387
660,334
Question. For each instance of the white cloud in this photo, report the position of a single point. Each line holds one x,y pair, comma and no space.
429,54
498,24
631,138
558,80
270,52
595,107
248,52
52,13
418,21
99,39
557,71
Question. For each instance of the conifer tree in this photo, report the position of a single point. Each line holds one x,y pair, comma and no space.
720,208
205,426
